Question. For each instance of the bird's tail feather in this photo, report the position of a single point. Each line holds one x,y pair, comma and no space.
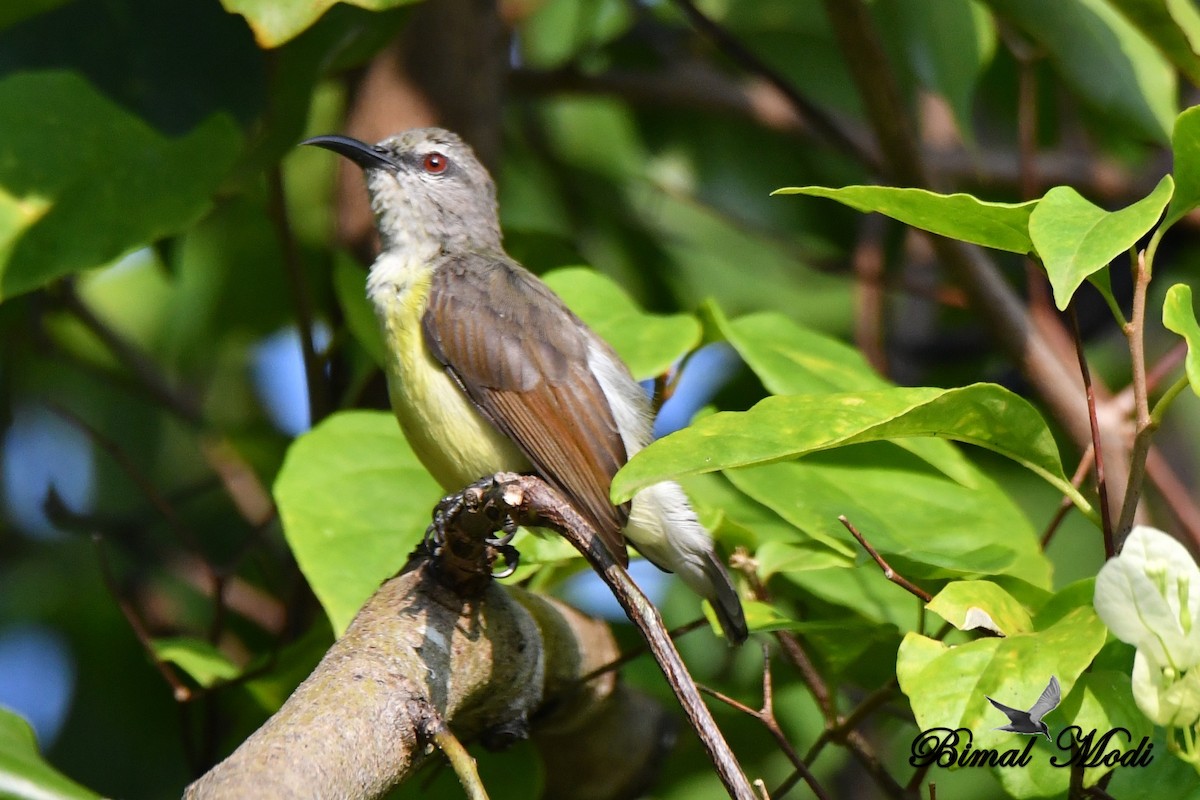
725,601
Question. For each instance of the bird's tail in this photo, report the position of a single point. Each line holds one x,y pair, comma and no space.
663,527
725,601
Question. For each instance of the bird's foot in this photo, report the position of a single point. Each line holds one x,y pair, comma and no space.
486,496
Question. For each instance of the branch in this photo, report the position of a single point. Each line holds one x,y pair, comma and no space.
421,655
889,573
536,502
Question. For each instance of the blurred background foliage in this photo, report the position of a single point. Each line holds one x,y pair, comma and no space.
180,296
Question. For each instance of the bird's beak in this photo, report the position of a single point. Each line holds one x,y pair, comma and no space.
365,155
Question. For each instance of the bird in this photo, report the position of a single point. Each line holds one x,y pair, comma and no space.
488,370
1030,721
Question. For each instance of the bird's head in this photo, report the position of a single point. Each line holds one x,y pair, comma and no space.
426,187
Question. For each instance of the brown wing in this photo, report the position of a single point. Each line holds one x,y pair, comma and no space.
521,356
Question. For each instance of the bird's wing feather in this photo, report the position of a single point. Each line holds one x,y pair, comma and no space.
1048,701
524,364
1009,711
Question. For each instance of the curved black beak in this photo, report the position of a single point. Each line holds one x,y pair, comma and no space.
365,155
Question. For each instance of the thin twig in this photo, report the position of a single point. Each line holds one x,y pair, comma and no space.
175,522
1065,505
766,715
1143,425
532,497
636,652
314,372
135,360
179,689
888,572
869,704
791,647
1097,450
461,762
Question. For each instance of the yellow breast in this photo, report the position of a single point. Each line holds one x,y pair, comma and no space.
454,442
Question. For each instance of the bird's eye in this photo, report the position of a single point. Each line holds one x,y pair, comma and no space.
435,163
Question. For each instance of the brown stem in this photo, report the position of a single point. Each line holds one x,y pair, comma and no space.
180,690
888,572
1143,425
1065,505
766,715
1097,450
634,653
536,499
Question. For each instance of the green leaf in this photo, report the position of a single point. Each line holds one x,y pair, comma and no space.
649,344
781,428
1104,58
277,21
1172,25
1003,226
928,526
948,687
968,605
60,215
790,359
206,664
354,501
1185,147
1076,238
1179,316
948,46
24,775
349,283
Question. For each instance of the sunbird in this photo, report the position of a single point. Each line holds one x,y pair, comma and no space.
489,371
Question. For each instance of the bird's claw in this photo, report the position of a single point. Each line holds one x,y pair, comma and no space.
483,495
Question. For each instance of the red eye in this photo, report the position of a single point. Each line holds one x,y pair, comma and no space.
435,163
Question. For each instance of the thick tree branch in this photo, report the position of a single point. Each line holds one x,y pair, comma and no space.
480,660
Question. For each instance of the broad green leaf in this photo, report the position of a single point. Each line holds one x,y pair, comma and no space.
61,215
349,282
776,557
1185,147
782,428
1104,58
206,664
948,46
1076,238
948,687
24,775
928,526
1179,316
277,21
1172,25
354,501
649,344
968,605
790,359
1003,226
